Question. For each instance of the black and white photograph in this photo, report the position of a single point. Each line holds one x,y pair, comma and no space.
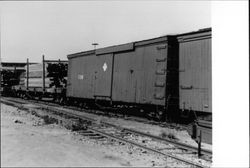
124,83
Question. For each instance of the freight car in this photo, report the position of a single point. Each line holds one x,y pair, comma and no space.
47,79
132,75
162,77
195,74
10,75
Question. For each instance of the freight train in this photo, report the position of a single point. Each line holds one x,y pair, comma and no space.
168,78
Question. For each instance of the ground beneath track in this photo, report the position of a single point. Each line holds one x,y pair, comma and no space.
180,135
26,141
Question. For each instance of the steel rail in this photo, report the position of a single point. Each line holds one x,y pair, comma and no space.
179,144
147,148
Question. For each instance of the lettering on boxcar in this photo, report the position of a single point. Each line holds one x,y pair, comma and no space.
80,77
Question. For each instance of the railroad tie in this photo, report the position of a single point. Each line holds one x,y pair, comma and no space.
90,134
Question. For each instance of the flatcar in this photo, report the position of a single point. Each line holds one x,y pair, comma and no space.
43,80
10,76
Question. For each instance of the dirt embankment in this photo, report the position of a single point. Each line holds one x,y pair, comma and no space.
26,141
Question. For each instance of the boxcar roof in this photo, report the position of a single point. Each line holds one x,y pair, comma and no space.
195,35
119,48
116,48
80,54
130,46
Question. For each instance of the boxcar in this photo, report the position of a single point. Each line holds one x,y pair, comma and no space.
195,76
139,73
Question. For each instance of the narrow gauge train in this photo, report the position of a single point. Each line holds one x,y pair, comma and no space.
43,80
168,77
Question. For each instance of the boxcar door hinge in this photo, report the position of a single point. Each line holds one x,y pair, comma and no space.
161,47
160,71
159,96
161,59
159,84
187,87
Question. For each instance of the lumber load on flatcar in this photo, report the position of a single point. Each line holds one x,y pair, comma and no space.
35,76
43,80
55,75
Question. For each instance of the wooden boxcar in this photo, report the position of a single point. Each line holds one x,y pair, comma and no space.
167,75
139,73
195,77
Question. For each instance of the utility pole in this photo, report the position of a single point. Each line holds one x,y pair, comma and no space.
27,74
95,44
43,75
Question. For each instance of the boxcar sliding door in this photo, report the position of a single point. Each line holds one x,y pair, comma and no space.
103,75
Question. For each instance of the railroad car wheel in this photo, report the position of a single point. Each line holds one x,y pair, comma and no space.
160,116
83,105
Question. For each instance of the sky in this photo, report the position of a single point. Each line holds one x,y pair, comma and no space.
30,29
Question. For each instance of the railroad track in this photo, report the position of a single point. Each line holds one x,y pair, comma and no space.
103,129
45,105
